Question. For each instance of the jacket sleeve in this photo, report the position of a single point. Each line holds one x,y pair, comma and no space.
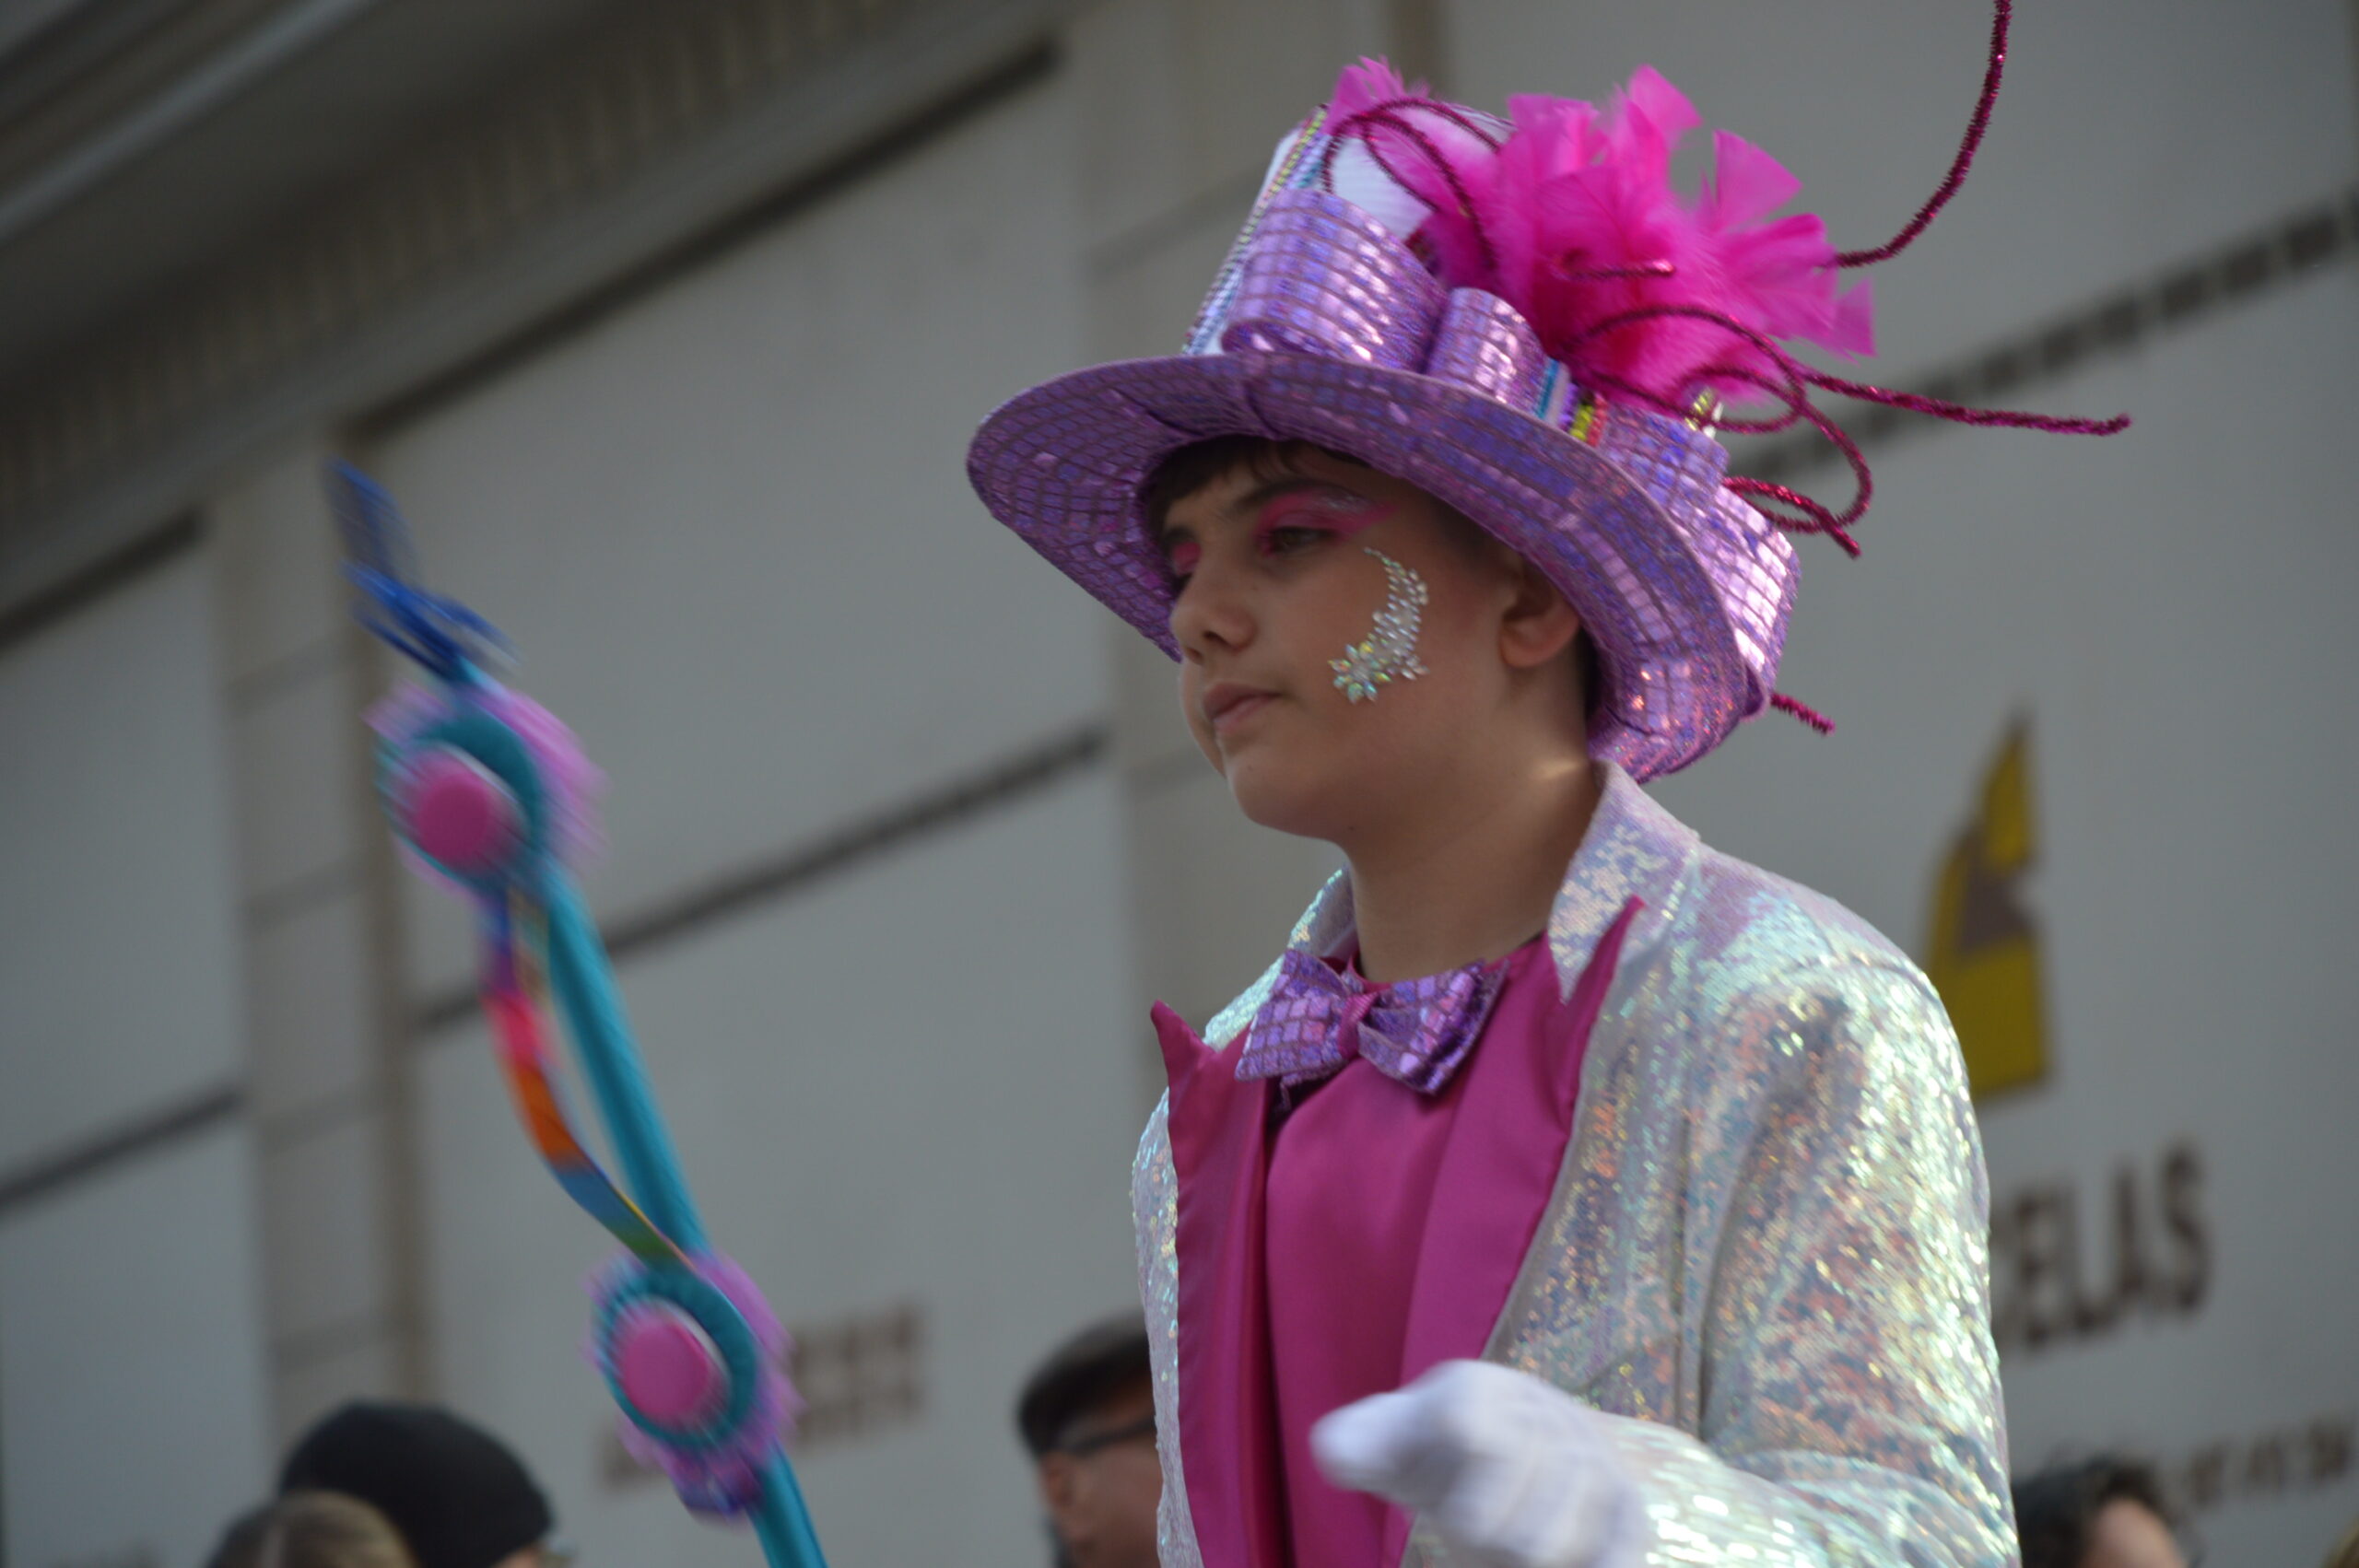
1845,1393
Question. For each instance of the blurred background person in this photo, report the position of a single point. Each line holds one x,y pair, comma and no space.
1087,1415
312,1529
459,1497
2106,1511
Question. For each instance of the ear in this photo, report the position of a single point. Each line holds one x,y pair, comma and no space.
1538,626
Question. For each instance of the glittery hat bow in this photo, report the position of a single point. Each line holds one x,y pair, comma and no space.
1417,1031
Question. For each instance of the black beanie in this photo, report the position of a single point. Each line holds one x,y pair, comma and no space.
459,1498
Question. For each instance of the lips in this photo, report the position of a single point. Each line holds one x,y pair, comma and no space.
1228,703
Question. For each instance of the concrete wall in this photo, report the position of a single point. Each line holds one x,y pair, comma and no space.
131,1337
119,964
131,1358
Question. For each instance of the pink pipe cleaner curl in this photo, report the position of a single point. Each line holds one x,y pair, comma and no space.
1803,711
2002,13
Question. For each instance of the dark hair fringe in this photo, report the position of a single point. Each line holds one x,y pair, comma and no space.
1192,467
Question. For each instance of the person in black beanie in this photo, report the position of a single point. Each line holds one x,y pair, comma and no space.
458,1497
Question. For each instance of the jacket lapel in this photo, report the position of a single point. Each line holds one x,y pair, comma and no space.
1228,1434
1497,1177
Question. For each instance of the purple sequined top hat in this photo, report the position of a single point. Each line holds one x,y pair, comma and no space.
1525,318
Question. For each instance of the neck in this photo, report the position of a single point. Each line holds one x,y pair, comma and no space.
1441,889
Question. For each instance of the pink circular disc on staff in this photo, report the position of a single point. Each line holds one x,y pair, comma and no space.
458,813
668,1368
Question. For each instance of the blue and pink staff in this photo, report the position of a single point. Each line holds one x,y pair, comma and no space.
492,794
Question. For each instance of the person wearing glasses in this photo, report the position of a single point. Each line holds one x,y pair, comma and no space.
459,1497
1087,1417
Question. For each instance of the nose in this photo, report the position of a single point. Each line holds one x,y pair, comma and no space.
1211,614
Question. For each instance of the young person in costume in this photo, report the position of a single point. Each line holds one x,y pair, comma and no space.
1566,1193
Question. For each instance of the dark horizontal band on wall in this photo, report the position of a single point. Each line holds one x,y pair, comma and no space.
128,562
593,168
2245,269
145,1135
800,866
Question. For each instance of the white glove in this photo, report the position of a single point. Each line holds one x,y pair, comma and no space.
1514,1472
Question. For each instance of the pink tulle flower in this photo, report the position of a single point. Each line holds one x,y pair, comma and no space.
1569,213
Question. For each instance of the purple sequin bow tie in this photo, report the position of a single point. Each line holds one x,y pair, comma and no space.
1416,1030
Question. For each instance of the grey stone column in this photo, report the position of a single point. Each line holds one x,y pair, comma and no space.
328,1090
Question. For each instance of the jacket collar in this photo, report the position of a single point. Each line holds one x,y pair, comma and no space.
1634,849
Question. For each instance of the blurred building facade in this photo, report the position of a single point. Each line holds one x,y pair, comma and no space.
667,325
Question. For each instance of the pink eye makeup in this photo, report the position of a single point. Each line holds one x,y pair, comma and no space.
1300,516
1320,509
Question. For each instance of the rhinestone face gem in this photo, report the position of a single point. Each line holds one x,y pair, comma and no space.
1389,652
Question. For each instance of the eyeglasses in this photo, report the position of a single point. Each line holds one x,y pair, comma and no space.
1081,1448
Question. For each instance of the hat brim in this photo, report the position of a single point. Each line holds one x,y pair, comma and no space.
1065,464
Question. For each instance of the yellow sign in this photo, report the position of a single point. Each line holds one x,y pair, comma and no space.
1984,957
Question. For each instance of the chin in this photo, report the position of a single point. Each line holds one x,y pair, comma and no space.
1281,798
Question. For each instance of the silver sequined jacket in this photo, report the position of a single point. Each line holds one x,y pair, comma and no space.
1765,1257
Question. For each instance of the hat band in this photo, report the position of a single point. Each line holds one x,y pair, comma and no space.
1320,276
